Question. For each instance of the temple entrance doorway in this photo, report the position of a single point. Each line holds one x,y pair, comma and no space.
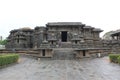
64,36
84,54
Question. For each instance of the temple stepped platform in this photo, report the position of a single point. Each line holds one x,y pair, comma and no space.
63,54
58,40
66,45
63,49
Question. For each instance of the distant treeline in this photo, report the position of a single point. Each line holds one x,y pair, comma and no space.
3,42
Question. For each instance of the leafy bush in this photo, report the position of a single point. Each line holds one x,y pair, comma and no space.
114,57
118,59
8,59
3,42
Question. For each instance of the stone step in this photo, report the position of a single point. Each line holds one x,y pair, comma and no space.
63,54
66,45
63,49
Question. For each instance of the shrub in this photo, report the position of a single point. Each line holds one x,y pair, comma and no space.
8,59
118,59
114,57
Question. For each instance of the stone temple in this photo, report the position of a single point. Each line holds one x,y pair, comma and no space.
44,40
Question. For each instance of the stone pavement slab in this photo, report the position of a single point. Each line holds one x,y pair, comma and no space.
83,69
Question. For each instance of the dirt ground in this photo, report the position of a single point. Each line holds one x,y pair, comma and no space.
83,69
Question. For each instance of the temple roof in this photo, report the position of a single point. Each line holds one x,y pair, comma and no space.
40,27
88,27
97,30
115,33
25,28
63,23
22,29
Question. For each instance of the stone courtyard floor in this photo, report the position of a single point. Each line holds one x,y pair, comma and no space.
83,69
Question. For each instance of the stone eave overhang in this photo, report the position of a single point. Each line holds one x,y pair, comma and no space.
67,24
97,30
115,33
88,27
91,49
76,39
52,39
43,48
39,27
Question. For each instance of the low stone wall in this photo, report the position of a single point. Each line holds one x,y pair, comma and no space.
12,51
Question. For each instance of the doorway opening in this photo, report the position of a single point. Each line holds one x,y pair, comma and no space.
64,36
43,52
84,54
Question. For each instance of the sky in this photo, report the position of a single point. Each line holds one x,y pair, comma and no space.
14,14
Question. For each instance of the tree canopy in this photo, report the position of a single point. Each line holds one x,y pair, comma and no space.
3,42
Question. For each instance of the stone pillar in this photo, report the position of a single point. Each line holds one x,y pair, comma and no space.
87,54
35,45
118,37
60,36
112,37
69,36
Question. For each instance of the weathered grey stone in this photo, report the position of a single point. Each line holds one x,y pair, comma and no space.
58,35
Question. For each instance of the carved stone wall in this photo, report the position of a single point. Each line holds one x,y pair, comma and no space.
77,35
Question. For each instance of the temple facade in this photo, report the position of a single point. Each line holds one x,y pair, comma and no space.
114,43
83,39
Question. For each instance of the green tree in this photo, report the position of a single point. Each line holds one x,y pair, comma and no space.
3,42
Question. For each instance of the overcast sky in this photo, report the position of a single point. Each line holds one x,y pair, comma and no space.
14,14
